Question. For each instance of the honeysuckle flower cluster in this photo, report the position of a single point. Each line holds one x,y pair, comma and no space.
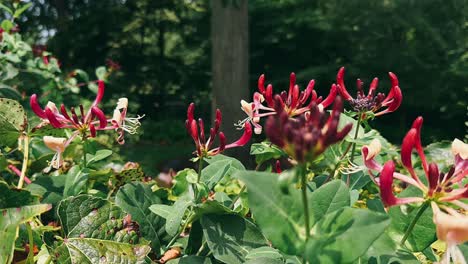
294,102
305,137
84,123
371,102
203,146
441,188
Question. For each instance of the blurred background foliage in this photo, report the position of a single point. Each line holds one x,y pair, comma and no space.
164,50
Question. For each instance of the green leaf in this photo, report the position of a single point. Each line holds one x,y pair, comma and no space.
286,230
265,151
135,198
4,7
7,25
384,250
12,197
89,250
101,73
47,130
190,260
195,238
231,237
329,198
12,121
86,216
173,214
100,155
214,172
345,235
235,163
20,10
265,252
9,222
264,261
424,232
95,230
76,181
180,181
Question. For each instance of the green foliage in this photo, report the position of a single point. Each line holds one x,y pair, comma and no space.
231,237
135,199
334,238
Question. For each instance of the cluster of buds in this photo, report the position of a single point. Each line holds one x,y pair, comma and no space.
371,102
197,131
294,102
307,136
441,186
83,123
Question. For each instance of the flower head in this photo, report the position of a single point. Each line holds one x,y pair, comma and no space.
57,144
85,123
372,101
441,186
294,102
197,131
305,137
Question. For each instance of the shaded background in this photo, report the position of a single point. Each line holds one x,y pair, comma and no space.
170,56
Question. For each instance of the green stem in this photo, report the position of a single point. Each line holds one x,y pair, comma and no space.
25,162
84,153
200,167
413,223
303,175
30,258
355,136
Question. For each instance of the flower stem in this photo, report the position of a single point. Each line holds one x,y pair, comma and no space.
200,167
413,223
355,136
84,153
303,175
30,258
25,162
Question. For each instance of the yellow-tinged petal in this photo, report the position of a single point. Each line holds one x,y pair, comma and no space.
461,148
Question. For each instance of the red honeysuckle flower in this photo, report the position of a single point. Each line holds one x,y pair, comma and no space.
372,101
197,131
440,185
294,102
306,137
87,123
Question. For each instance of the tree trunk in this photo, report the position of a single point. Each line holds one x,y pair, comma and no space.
230,63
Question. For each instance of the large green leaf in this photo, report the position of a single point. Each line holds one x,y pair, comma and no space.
216,171
384,250
231,237
279,214
90,251
135,198
10,219
76,181
173,214
423,234
345,235
96,230
329,198
190,260
13,121
11,197
265,151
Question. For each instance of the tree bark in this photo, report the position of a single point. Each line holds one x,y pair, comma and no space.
230,63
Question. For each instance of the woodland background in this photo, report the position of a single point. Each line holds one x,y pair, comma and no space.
173,52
